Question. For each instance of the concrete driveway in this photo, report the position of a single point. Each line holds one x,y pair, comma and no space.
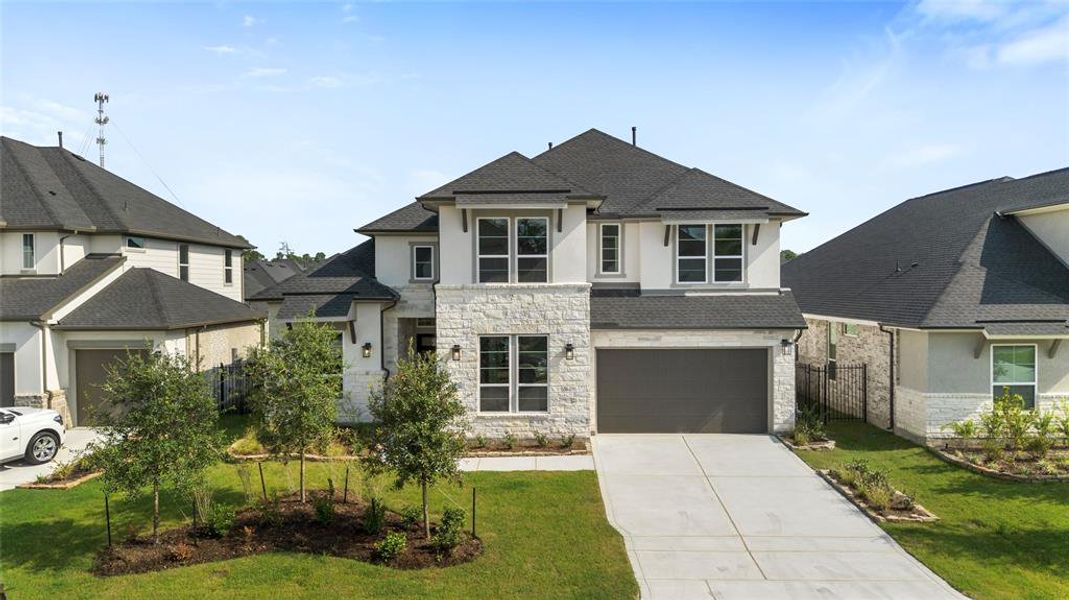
74,442
740,516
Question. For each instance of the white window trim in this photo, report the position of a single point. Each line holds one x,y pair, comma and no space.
619,251
127,247
228,269
1001,384
181,264
479,255
33,251
705,257
846,331
513,383
515,235
415,276
711,236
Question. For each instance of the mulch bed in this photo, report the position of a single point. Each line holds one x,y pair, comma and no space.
1023,467
76,477
576,449
916,514
293,529
814,445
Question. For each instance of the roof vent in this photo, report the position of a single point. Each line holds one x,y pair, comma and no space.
634,136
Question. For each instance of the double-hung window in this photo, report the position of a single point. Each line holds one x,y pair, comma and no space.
493,250
1014,368
727,253
532,249
423,263
228,266
29,251
610,248
183,262
691,254
513,373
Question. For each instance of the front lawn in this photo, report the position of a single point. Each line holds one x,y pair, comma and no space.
545,533
995,539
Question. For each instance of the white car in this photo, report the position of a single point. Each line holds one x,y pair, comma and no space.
31,433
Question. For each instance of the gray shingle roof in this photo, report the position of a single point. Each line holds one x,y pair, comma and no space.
351,273
323,305
619,309
699,190
513,173
409,218
262,274
30,298
958,263
47,188
146,299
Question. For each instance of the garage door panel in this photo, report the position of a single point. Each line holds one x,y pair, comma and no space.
90,368
679,391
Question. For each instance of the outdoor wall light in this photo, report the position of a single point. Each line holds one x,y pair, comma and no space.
569,352
785,347
367,350
456,351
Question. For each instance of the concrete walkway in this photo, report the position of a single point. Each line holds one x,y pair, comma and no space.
740,516
17,473
572,462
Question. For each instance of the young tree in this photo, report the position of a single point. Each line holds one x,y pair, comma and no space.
418,433
296,386
161,427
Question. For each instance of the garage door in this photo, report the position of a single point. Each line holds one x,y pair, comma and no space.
90,371
682,391
7,379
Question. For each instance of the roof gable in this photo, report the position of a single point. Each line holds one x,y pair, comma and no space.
509,175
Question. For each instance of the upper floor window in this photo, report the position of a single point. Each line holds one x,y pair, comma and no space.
29,251
610,248
228,266
727,253
423,263
136,243
493,250
1013,368
532,249
183,262
691,254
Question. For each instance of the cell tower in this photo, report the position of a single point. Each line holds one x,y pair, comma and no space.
101,99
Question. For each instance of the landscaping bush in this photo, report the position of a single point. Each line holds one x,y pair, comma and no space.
878,497
509,441
323,505
272,511
567,441
392,546
448,534
411,516
541,439
808,427
218,521
374,516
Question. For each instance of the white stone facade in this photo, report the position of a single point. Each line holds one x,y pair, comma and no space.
560,311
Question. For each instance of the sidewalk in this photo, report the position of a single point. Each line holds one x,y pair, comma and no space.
574,462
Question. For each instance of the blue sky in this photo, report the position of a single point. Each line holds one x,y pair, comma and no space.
301,121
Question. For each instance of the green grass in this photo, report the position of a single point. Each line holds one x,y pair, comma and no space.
545,535
995,539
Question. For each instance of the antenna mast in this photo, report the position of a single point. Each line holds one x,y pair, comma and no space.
101,99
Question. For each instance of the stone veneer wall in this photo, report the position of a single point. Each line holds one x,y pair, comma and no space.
561,311
358,385
870,346
782,379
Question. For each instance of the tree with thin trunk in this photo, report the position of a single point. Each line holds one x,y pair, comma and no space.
161,427
296,385
419,431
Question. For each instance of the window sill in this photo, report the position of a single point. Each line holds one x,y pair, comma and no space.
134,250
510,415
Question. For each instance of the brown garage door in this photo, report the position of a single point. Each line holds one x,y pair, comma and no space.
7,379
682,391
90,373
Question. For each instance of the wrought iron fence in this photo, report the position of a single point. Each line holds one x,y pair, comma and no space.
839,392
229,386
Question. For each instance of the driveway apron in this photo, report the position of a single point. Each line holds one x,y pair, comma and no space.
740,516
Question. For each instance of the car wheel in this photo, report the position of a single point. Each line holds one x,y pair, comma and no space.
43,448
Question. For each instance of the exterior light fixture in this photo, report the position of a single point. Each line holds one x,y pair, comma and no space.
785,347
456,351
569,352
367,350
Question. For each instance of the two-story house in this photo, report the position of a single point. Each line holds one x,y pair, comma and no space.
949,298
596,287
92,267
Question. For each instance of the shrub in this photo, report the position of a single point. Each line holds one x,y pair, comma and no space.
994,450
392,546
853,472
219,521
963,430
411,516
181,552
479,442
323,505
567,441
374,516
808,427
1038,446
509,441
878,497
1063,421
271,512
447,536
247,446
541,439
1046,467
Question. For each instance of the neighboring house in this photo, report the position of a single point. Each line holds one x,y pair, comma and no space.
91,267
948,298
596,287
262,274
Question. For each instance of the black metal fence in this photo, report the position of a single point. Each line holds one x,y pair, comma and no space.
229,386
839,392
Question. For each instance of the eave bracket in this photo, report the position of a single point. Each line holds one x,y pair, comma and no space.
1054,345
756,229
979,349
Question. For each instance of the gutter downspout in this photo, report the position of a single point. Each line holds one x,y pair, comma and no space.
891,383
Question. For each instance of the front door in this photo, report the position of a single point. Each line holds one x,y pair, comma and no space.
426,343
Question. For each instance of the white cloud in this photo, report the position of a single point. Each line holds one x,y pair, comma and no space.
922,156
221,49
249,21
1040,45
957,10
324,81
265,72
